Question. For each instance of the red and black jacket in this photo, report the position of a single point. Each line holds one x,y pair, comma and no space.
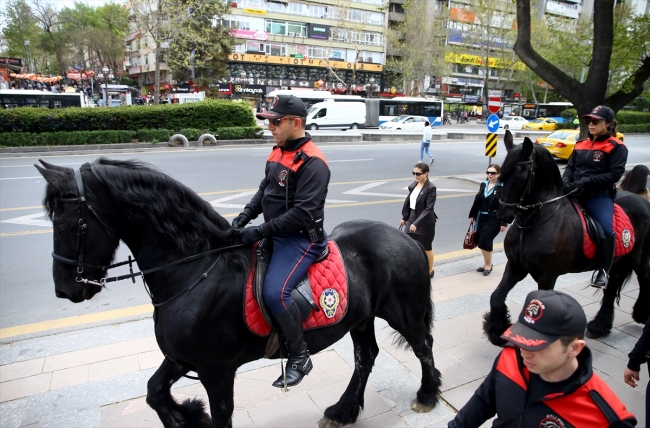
602,159
302,166
589,402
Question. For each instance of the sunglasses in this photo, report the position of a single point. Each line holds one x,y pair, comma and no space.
276,122
417,174
491,172
594,121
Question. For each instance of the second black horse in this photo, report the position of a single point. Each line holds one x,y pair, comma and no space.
545,240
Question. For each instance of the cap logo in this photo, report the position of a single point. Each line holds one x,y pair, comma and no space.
523,340
597,109
534,311
276,100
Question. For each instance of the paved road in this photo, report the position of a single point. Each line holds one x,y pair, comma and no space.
368,181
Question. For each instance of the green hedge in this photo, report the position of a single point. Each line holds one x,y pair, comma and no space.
644,127
209,114
20,139
240,133
154,135
633,118
193,134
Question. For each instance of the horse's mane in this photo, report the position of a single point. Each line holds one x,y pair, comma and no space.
546,170
162,205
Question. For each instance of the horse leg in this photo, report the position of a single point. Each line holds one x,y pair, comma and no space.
220,386
602,323
497,320
641,310
347,409
189,414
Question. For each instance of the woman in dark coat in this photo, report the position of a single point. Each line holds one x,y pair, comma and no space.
484,212
417,214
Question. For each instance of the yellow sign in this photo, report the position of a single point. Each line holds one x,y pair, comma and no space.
491,145
307,62
478,61
255,11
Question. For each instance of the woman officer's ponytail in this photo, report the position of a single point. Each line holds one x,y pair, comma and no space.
613,128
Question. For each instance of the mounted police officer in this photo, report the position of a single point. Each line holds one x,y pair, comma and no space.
292,198
595,166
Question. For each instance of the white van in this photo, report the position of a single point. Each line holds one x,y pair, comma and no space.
332,115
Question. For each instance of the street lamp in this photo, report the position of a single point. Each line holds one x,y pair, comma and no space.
105,76
28,54
372,87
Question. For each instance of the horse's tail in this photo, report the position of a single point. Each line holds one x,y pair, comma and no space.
623,284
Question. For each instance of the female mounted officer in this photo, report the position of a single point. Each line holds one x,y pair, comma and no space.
595,166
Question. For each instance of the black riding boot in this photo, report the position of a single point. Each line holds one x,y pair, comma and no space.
298,363
607,247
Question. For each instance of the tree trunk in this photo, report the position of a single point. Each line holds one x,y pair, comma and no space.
156,74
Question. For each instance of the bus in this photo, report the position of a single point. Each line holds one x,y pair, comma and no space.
312,97
549,110
13,98
383,110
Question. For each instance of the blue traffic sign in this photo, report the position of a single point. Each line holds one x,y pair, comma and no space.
492,123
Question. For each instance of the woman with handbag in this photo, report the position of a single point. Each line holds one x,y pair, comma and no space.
484,215
417,214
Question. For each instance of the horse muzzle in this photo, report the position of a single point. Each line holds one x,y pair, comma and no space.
79,291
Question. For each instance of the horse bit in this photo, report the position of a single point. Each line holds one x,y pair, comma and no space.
79,258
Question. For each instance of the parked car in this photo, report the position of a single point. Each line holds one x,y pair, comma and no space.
541,123
512,122
337,115
561,143
405,123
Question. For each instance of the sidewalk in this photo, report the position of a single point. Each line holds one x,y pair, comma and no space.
97,377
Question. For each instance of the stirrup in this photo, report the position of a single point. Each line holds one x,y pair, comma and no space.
594,276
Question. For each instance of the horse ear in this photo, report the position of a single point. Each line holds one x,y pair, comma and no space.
508,140
528,146
52,166
53,176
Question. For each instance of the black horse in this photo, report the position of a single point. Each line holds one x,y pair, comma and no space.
202,325
545,240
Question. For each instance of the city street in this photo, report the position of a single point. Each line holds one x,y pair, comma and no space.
87,364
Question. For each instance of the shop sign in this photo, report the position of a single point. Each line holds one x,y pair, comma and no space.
249,34
254,11
135,70
18,62
249,89
307,62
478,61
225,89
318,31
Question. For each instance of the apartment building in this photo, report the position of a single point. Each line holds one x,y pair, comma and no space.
334,45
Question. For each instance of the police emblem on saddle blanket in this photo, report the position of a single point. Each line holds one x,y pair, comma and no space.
329,287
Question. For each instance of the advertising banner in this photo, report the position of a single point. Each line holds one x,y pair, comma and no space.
318,31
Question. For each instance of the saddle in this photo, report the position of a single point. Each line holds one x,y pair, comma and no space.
322,295
592,232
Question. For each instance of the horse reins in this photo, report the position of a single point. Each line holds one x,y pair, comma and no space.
79,258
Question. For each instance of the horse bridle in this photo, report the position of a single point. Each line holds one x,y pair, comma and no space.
79,258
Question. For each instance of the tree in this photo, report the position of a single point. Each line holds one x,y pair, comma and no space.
20,26
593,91
55,39
421,40
200,51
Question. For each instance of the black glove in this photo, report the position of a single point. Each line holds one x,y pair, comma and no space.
580,184
251,235
567,186
241,220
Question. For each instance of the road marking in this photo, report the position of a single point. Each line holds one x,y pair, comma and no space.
6,333
362,190
74,321
22,208
218,203
32,166
350,160
21,178
25,232
29,220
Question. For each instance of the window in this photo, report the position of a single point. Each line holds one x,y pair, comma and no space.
321,113
375,18
278,7
356,15
338,54
298,8
317,11
299,30
276,27
275,49
253,4
316,52
339,34
254,46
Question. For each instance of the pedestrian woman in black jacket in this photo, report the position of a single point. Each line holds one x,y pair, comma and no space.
484,213
417,214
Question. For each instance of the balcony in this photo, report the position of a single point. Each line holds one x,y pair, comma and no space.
569,10
396,16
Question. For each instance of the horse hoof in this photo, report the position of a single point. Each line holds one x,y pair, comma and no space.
326,422
596,330
418,407
495,323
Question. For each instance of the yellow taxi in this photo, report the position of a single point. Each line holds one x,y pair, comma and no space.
541,124
561,143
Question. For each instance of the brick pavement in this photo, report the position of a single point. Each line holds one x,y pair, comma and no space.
96,377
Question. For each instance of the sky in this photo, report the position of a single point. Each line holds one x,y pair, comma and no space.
60,4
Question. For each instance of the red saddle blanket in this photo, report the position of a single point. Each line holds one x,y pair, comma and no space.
329,286
622,227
